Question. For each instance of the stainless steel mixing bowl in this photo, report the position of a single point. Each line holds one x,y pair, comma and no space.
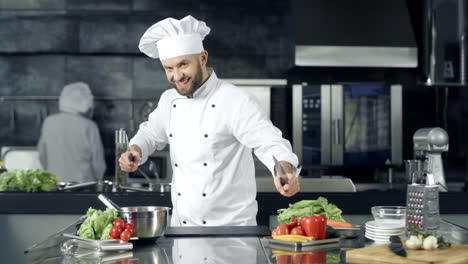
150,221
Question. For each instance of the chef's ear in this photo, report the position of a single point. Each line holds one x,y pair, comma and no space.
203,57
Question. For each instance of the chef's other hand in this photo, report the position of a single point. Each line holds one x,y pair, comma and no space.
290,188
128,165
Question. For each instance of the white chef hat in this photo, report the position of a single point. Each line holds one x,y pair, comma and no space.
172,38
76,98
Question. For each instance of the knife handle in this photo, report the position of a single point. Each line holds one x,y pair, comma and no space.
131,157
283,181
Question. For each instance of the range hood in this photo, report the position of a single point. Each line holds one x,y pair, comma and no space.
357,33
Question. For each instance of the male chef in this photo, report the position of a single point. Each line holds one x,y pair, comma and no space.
212,127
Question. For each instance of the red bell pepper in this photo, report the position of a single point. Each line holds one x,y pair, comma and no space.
293,223
314,226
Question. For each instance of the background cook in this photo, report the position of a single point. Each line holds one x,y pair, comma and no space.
212,127
70,145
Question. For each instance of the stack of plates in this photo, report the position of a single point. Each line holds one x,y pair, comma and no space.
382,233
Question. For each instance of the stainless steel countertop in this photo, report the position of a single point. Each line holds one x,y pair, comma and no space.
249,249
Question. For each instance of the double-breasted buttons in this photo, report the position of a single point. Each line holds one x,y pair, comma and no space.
205,164
175,164
204,194
204,222
174,105
213,105
206,135
179,194
184,222
170,135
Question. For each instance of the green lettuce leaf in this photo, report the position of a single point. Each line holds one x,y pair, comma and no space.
96,225
321,206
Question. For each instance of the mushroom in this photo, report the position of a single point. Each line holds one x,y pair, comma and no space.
430,243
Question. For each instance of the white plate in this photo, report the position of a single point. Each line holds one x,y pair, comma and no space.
386,238
382,236
386,231
385,235
374,225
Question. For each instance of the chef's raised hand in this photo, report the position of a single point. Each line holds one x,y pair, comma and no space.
292,186
129,160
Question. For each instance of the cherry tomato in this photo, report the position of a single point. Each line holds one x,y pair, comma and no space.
119,223
115,232
297,231
130,230
125,236
127,225
282,230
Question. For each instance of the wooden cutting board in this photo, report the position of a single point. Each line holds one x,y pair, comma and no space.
382,254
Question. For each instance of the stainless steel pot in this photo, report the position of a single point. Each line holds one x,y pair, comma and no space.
150,221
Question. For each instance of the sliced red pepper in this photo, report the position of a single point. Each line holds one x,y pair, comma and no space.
314,226
293,223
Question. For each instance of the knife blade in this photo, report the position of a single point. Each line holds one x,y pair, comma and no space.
280,171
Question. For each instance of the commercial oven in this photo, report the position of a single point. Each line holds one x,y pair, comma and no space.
348,124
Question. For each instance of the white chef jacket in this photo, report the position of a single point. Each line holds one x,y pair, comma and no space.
70,147
211,138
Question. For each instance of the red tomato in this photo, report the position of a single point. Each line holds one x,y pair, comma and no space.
125,236
297,231
119,223
115,232
283,229
130,230
274,232
127,225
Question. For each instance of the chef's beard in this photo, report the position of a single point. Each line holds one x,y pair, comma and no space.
196,83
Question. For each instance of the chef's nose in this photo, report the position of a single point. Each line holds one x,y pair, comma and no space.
178,75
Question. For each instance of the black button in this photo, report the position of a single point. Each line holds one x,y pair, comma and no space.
175,164
178,194
174,105
206,135
204,164
184,222
213,105
170,135
204,222
204,194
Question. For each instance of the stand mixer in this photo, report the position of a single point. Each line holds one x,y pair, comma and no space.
428,144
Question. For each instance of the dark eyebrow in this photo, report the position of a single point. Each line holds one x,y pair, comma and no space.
183,62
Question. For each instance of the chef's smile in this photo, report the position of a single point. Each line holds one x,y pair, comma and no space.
185,73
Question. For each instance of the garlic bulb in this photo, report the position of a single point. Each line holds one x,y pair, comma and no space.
414,242
430,242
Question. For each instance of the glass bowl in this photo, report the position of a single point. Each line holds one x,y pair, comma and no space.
389,215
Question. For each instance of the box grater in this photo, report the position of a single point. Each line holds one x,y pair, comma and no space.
422,207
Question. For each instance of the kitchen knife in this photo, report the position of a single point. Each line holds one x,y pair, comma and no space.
396,246
280,171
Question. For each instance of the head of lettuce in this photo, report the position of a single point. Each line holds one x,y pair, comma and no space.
97,224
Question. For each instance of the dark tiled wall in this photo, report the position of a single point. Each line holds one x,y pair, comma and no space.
48,43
